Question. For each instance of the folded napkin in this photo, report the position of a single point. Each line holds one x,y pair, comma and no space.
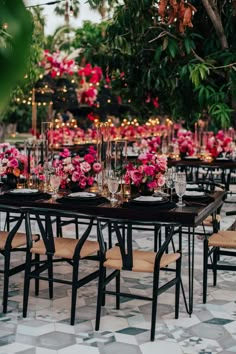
194,194
192,187
24,191
82,195
145,198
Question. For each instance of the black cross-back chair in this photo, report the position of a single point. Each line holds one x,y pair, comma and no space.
58,249
220,243
209,187
123,257
12,241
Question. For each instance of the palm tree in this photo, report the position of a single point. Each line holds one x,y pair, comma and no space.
60,39
68,8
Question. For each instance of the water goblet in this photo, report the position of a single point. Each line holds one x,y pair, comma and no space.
55,182
113,184
170,181
180,187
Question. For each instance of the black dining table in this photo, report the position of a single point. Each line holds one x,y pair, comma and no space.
188,216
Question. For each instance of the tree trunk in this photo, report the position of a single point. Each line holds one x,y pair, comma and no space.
213,13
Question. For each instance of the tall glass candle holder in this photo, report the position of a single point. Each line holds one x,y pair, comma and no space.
47,140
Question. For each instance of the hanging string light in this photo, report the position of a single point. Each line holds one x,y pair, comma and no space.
71,12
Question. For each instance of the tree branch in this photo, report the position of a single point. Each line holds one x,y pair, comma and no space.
213,13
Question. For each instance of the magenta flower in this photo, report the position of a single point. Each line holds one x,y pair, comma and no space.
13,163
161,181
89,158
97,167
136,177
149,170
85,167
65,153
82,182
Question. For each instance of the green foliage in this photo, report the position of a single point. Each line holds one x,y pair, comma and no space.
90,38
221,113
198,73
16,110
15,45
190,73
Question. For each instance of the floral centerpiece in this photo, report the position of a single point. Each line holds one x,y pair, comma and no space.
147,173
77,172
13,164
185,143
219,143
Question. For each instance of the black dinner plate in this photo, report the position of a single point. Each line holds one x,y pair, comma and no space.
196,196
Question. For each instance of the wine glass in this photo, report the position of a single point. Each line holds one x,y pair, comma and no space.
55,182
170,181
180,187
113,183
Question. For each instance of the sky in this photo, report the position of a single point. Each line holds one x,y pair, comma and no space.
53,21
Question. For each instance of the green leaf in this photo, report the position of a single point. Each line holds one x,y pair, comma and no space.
13,57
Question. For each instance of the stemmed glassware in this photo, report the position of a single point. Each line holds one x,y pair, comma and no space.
180,187
113,183
170,181
55,181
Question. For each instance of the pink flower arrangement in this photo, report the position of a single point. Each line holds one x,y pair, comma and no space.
185,142
149,170
89,81
219,143
13,162
57,63
77,171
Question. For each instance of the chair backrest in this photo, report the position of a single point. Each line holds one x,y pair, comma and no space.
46,229
17,222
208,186
123,233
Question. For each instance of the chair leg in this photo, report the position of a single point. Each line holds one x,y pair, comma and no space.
50,276
205,264
77,228
36,284
26,283
118,291
104,288
100,297
6,280
154,304
177,287
58,227
215,258
74,291
155,238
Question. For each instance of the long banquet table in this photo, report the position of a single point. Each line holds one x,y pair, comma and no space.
189,216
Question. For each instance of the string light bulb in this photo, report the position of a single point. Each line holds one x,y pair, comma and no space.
71,11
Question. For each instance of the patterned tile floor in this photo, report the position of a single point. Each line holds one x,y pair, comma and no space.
211,329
